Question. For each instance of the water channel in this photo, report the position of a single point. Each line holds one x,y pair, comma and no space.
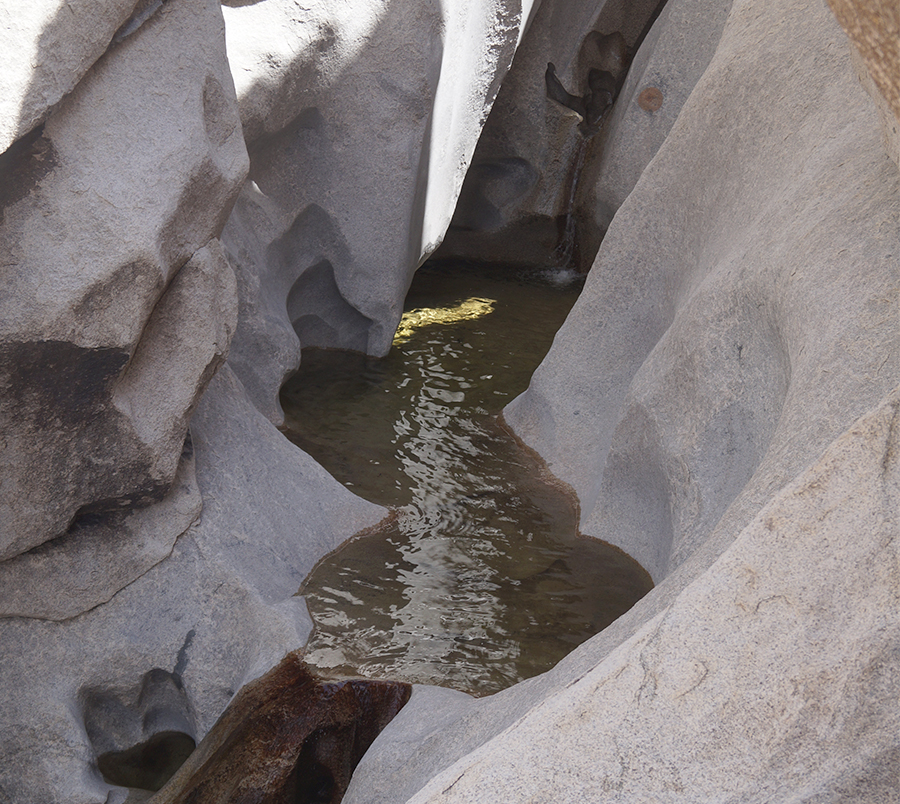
480,578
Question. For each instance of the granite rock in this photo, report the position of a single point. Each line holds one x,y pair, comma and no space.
741,310
723,400
360,120
119,304
523,181
46,47
215,613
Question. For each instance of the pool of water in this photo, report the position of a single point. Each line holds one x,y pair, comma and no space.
480,578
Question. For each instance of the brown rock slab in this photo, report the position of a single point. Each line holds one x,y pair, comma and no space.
287,737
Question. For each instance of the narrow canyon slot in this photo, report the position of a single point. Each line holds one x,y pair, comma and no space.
480,579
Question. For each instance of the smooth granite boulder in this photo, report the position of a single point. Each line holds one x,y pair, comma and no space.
360,120
128,617
723,398
117,301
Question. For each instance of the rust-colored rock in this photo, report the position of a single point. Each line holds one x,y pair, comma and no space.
874,28
650,99
287,737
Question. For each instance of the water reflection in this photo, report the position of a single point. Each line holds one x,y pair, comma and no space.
481,579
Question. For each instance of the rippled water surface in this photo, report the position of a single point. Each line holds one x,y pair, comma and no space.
481,579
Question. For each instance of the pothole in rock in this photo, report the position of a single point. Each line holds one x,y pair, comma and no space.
481,579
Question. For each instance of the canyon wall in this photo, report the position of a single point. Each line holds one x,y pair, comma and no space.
191,193
179,188
723,399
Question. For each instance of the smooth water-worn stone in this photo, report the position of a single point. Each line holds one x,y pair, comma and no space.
520,189
709,357
117,304
774,676
216,613
673,56
270,511
360,119
102,554
741,314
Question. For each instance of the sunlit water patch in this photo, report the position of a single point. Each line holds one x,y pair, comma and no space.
480,579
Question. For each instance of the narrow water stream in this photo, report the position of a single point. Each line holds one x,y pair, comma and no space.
480,580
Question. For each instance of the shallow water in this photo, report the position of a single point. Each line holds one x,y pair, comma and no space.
481,579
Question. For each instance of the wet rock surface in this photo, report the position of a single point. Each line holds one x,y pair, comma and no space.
287,737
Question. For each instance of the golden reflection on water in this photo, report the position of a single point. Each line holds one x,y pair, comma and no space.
481,578
467,310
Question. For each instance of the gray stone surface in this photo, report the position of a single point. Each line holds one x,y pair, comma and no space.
360,122
742,309
673,56
118,307
89,564
774,676
777,235
513,200
109,328
217,612
421,723
46,47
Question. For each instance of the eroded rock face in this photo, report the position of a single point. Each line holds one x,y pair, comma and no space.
121,303
118,306
723,398
360,120
522,184
705,363
218,611
121,307
673,56
772,676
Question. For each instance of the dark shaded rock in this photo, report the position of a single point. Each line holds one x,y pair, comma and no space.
287,737
541,118
142,735
148,765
